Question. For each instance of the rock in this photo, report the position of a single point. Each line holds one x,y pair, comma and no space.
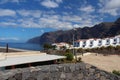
31,78
18,76
78,71
69,76
88,66
63,76
91,70
102,78
46,78
97,75
53,69
80,76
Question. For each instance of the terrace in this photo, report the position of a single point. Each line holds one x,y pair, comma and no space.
20,58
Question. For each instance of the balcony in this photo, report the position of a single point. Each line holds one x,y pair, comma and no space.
100,44
114,42
91,45
83,45
108,43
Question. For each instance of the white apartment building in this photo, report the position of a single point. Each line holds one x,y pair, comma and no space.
93,43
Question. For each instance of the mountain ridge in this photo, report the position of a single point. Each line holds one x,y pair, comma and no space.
102,30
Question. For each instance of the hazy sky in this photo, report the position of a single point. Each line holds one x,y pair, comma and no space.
21,20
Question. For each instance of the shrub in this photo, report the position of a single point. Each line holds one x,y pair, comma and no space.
67,51
79,59
47,46
116,72
69,56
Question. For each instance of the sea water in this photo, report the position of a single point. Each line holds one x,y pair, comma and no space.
25,46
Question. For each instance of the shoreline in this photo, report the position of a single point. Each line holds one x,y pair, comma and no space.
3,49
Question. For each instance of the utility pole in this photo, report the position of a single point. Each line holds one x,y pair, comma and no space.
7,48
73,46
74,53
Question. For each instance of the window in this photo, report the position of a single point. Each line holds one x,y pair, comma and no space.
119,39
76,44
107,41
114,40
99,42
84,43
91,43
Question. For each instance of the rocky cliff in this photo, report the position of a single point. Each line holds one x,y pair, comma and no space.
105,29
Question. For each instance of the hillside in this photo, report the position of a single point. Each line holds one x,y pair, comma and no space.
105,29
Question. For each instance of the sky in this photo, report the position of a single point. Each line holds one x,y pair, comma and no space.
21,20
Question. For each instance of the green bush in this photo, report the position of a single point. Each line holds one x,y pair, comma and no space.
47,46
116,72
69,56
79,59
67,51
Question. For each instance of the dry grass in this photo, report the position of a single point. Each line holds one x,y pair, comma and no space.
107,63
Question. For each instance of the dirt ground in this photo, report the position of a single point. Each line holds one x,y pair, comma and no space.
107,63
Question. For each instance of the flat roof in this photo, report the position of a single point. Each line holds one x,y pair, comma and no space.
15,59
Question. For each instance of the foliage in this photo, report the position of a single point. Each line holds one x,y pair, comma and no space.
69,56
79,59
67,51
102,50
109,48
54,47
47,46
80,50
117,47
63,48
116,72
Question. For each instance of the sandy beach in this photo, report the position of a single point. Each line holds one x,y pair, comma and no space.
107,63
3,49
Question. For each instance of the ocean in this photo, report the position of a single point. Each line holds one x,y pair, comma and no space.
25,46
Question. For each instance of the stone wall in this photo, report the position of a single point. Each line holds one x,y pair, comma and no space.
78,71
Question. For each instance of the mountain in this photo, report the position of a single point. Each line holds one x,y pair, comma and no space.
102,30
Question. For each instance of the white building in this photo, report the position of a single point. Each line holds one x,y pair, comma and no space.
61,45
93,43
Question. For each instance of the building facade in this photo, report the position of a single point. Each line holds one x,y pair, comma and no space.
94,43
59,46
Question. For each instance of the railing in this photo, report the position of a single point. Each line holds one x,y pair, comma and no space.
83,45
99,44
107,43
114,42
91,45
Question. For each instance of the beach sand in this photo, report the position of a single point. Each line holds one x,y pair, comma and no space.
3,49
107,63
